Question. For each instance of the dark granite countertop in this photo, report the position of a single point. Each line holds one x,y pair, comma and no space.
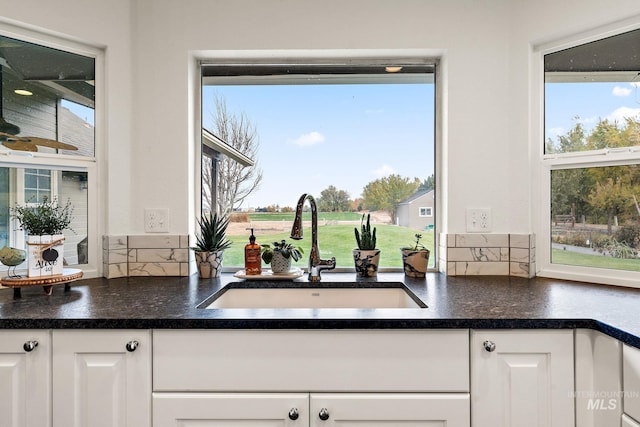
495,302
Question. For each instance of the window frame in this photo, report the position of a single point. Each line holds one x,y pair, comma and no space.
544,164
428,212
91,165
434,57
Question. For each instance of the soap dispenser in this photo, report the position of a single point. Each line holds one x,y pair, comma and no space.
252,260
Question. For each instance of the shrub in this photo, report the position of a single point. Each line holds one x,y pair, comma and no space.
239,217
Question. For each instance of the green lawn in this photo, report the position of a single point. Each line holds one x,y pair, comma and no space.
338,241
585,260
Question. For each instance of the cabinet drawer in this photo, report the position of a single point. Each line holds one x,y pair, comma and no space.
631,381
311,360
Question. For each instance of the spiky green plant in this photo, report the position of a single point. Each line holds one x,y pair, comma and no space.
212,235
365,238
46,217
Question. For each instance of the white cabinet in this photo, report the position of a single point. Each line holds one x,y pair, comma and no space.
330,377
631,381
25,378
598,364
101,378
522,378
315,409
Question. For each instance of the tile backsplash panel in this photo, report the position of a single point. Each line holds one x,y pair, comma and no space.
488,254
166,255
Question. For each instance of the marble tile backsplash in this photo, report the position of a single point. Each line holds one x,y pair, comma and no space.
166,255
488,254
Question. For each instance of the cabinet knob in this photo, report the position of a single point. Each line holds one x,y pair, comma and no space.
489,346
132,345
30,345
323,414
293,414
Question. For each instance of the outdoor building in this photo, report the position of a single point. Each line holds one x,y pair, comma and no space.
416,211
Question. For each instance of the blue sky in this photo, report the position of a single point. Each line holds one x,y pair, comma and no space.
590,102
314,136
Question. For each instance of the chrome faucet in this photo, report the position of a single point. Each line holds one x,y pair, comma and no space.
316,264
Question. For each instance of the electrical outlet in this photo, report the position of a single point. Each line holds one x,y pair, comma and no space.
478,220
156,220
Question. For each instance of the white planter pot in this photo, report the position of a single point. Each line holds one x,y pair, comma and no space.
415,263
366,262
280,264
209,263
45,255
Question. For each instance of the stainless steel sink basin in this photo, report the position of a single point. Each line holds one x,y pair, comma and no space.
326,295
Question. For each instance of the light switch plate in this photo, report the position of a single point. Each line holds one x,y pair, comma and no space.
478,220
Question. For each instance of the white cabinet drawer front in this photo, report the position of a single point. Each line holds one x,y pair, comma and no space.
631,381
311,360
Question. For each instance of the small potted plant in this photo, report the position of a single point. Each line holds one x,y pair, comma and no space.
415,258
366,257
210,245
44,223
280,255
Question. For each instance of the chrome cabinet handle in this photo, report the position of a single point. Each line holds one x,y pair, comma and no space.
324,414
489,346
293,414
30,345
132,345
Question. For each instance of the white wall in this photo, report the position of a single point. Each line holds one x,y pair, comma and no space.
485,44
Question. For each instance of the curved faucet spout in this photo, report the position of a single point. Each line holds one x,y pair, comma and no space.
316,264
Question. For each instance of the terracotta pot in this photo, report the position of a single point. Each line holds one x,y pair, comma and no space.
366,261
280,264
415,263
209,263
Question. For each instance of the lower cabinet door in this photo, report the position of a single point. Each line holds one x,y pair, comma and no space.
390,409
25,378
233,409
522,378
101,378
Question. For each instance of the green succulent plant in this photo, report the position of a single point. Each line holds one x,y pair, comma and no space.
212,236
417,246
365,238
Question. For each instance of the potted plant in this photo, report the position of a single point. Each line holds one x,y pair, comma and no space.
44,223
210,245
366,256
415,258
280,255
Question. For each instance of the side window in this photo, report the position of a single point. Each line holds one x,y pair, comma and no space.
592,140
47,136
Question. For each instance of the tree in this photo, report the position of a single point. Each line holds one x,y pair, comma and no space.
334,200
385,193
235,181
428,184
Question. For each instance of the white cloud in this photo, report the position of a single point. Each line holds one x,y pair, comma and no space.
384,170
621,113
307,139
554,132
621,91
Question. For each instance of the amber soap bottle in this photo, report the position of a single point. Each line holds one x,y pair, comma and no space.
252,260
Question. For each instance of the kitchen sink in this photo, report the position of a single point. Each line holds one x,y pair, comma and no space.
304,295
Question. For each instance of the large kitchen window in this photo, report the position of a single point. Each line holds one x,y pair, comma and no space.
592,153
359,137
47,137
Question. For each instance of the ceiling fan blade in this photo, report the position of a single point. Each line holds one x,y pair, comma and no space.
51,143
20,145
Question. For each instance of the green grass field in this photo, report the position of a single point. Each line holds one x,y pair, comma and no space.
338,241
559,256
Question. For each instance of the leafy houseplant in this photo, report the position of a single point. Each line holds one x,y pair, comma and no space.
280,255
210,245
44,224
415,258
366,257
